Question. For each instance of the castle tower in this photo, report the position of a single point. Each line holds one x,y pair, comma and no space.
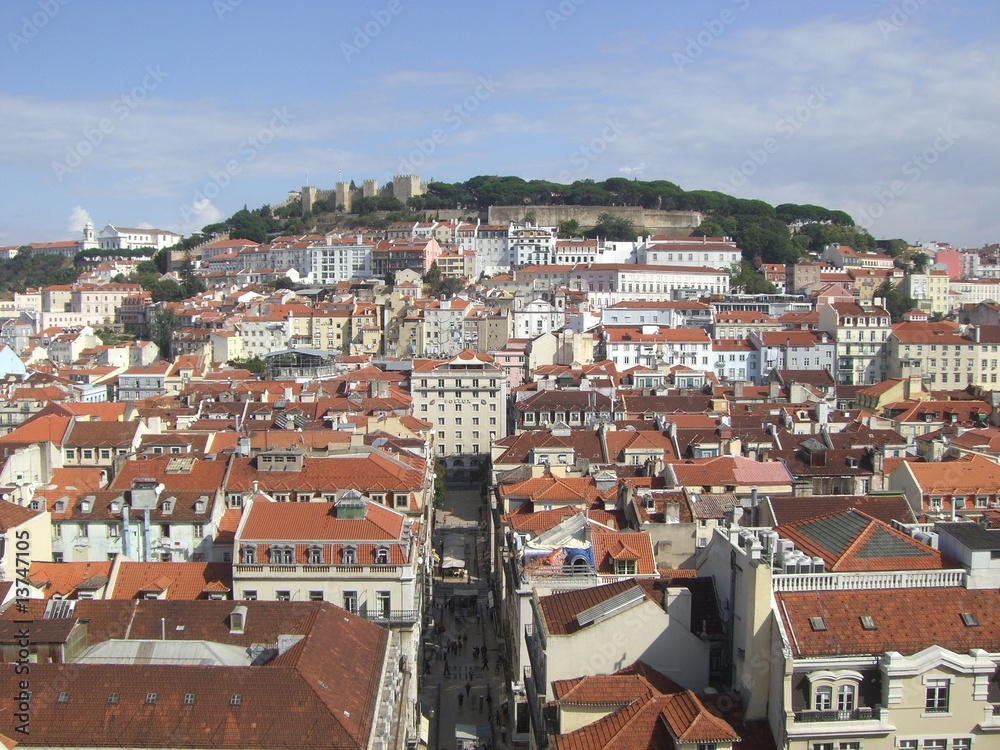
406,186
369,189
343,191
308,198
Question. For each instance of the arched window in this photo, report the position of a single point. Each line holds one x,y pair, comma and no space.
282,556
249,554
382,556
823,700
845,698
315,555
349,556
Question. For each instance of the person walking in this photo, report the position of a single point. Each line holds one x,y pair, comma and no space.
468,687
461,699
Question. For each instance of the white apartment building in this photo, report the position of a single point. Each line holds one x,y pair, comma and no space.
530,245
654,346
340,259
263,335
465,399
535,318
680,314
719,253
861,333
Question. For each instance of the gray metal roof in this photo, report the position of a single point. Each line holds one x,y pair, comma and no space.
884,544
835,533
972,535
610,606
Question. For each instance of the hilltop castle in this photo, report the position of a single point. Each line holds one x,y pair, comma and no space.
403,187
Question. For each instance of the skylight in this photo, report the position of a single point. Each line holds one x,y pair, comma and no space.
113,698
868,622
817,623
969,620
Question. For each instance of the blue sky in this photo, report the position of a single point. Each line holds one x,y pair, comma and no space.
175,114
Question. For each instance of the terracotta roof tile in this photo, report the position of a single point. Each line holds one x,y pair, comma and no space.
180,581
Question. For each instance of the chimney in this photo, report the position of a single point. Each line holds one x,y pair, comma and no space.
773,390
738,389
679,606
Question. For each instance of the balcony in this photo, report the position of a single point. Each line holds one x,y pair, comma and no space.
866,721
858,714
320,571
399,617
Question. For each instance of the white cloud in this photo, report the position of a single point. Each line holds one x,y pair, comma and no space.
77,218
200,213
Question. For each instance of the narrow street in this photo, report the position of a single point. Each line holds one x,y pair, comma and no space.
461,685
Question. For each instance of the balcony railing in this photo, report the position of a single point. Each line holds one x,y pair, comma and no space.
339,571
393,616
858,714
866,581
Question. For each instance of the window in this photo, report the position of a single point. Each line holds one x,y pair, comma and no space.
199,531
150,698
868,622
250,596
625,567
908,745
969,620
935,744
315,555
845,698
283,595
87,454
236,700
63,698
383,603
823,699
350,556
189,699
315,596
937,695
165,531
351,601
961,743
821,746
382,556
113,698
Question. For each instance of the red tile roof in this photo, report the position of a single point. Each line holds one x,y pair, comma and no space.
185,581
317,521
64,579
906,620
12,515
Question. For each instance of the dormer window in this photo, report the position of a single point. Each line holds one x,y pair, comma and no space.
249,554
168,506
282,556
315,555
200,505
85,506
60,506
625,567
116,506
349,556
382,556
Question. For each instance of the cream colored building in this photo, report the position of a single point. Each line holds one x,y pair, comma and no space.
465,399
931,291
27,536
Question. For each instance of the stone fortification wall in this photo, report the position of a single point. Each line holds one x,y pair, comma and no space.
645,220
